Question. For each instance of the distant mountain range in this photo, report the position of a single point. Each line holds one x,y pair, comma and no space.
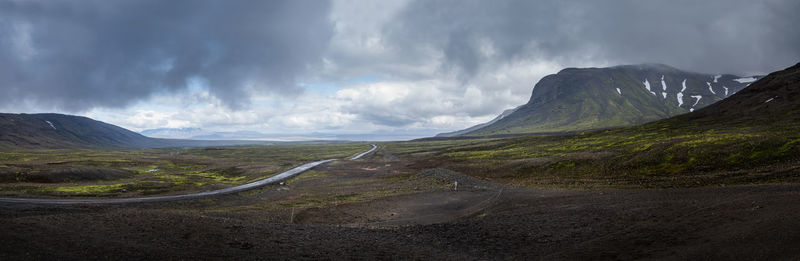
594,98
59,131
201,134
573,99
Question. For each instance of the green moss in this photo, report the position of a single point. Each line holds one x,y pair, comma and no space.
347,197
184,169
216,177
91,189
309,174
788,146
657,153
141,169
563,165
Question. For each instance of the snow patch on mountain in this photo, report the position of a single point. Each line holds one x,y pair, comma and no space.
698,97
680,94
619,91
663,87
647,86
716,77
684,85
745,80
51,125
710,89
726,91
770,99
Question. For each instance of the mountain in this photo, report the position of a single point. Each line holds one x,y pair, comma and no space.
772,101
59,131
50,130
751,137
595,98
175,133
476,127
197,135
200,134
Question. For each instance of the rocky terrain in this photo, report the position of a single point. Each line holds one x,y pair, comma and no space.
479,221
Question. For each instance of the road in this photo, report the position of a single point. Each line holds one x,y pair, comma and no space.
374,147
271,180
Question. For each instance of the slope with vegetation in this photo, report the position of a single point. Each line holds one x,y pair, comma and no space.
751,137
50,130
479,126
577,99
131,173
58,131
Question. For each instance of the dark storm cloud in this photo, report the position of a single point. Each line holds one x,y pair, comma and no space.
706,36
76,55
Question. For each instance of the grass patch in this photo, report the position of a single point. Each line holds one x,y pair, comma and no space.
187,169
652,155
308,174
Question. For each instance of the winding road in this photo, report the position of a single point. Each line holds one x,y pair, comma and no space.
271,180
374,147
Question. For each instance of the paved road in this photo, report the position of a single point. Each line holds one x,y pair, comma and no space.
374,147
271,180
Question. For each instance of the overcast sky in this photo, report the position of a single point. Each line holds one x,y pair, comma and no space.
416,67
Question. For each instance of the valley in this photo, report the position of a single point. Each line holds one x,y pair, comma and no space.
399,130
159,172
719,182
384,206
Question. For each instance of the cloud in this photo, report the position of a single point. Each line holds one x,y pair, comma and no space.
707,36
293,66
469,60
76,55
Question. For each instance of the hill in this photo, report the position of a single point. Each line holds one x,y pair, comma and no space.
59,131
479,126
752,137
774,100
50,130
595,98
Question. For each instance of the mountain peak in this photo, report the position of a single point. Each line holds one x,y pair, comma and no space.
593,98
658,67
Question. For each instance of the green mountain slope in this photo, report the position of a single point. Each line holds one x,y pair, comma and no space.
595,98
751,137
773,100
59,131
476,127
49,130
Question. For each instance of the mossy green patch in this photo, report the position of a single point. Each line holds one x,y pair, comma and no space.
170,170
663,153
91,189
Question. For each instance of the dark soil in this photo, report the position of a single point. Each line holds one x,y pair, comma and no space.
62,175
476,222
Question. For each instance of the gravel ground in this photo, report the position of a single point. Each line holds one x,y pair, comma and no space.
713,223
480,221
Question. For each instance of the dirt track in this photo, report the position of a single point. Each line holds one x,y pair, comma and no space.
414,222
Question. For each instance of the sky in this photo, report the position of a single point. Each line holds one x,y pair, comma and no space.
397,67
